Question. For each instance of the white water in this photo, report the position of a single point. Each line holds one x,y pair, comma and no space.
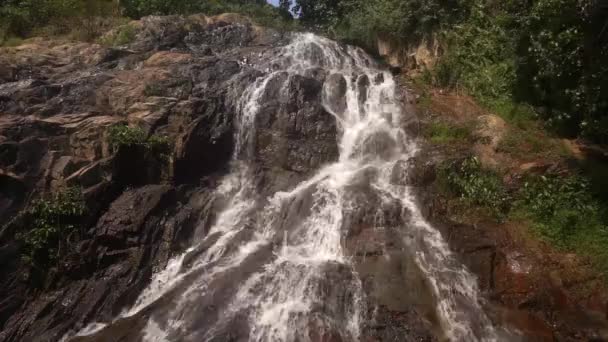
286,298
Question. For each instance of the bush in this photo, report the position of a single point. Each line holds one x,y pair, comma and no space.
564,211
52,221
475,185
123,136
560,206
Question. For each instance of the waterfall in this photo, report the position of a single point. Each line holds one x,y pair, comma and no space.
276,269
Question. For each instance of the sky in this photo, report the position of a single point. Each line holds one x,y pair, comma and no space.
273,2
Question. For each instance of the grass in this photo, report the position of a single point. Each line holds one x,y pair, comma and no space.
531,144
11,41
565,212
447,133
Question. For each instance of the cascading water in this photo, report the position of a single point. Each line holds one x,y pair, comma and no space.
276,269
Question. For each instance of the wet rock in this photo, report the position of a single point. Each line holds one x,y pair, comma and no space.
335,90
362,87
212,133
377,145
122,220
295,135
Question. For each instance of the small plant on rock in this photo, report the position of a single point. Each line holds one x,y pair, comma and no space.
159,146
51,222
475,185
123,136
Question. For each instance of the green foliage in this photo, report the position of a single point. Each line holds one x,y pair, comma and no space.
544,53
24,17
363,21
258,10
444,133
564,39
89,19
564,211
123,136
51,222
520,115
545,196
475,185
479,56
266,15
122,35
10,41
159,146
538,53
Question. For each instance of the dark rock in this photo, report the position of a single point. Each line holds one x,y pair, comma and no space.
294,132
335,88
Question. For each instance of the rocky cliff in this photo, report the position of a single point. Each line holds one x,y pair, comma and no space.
180,78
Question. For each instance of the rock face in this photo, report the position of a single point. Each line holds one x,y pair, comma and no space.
182,77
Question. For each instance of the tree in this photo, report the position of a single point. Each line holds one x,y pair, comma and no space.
319,13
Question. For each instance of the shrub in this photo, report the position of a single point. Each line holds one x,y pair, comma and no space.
564,211
479,55
52,221
560,206
475,185
123,136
